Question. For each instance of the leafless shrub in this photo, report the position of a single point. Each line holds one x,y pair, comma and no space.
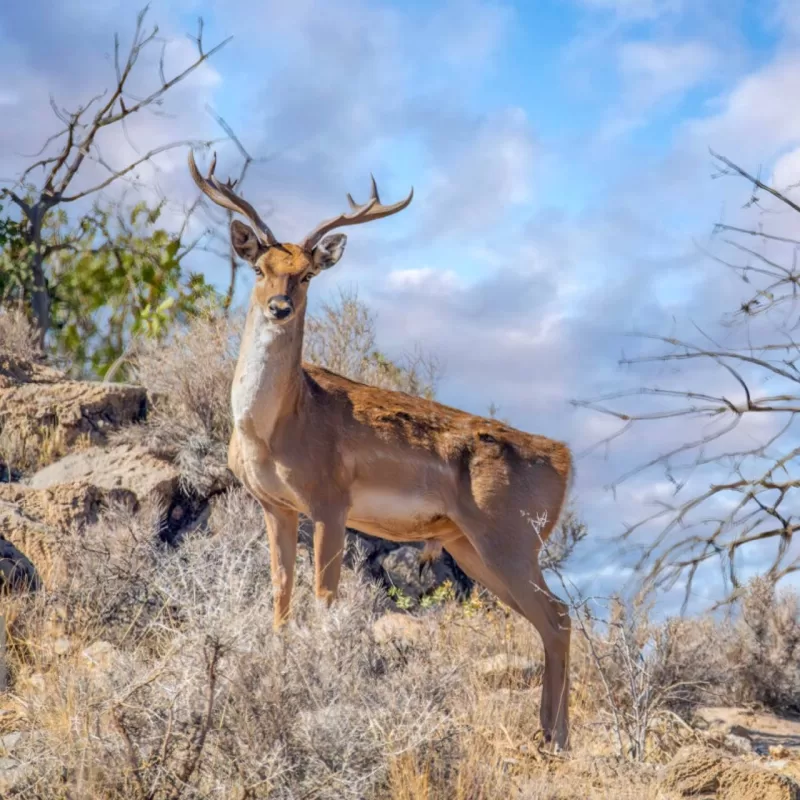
561,544
189,379
765,647
341,338
634,666
18,337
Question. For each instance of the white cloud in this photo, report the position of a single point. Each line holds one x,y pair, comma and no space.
756,118
655,70
481,176
426,279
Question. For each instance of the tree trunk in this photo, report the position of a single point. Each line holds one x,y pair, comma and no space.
40,300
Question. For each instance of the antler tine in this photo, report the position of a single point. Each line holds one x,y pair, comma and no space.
366,212
223,195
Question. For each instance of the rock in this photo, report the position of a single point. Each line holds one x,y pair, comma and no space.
62,646
101,655
39,404
12,772
749,782
697,771
32,522
503,671
62,506
399,629
9,741
406,573
694,771
17,573
739,744
130,467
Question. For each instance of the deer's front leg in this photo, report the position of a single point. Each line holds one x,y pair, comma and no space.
329,530
282,533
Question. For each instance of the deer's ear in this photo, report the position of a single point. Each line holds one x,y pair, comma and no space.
329,251
245,242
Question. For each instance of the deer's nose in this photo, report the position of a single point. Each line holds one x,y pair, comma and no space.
280,306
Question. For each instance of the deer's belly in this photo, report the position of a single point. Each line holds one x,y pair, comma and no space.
393,514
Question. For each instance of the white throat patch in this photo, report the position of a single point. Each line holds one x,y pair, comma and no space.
255,365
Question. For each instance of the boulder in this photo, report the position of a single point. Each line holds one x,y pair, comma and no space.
17,573
751,782
697,771
406,572
128,467
73,504
694,772
41,408
138,471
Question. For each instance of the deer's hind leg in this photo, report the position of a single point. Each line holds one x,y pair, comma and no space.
510,559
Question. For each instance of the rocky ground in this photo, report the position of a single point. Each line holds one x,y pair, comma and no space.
143,664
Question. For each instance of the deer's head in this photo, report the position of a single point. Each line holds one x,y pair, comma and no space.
283,270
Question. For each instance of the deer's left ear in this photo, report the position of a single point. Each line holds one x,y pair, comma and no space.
329,251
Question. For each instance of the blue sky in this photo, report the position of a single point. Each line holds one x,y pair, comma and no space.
558,150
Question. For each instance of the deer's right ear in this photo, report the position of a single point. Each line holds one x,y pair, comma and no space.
245,242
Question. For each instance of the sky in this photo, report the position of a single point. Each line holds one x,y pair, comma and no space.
559,154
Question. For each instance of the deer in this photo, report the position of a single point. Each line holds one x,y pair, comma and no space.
308,441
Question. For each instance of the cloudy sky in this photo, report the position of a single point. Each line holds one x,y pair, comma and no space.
559,154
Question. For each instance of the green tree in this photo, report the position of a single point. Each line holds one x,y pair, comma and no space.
113,278
125,280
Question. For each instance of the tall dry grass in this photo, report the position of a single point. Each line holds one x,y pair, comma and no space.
17,336
155,673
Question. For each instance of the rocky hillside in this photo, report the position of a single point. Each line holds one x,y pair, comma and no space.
142,663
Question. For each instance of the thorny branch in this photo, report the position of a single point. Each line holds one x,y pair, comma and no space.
725,502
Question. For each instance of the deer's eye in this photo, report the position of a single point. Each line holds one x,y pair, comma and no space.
307,278
258,271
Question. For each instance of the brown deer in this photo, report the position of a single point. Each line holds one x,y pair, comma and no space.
400,467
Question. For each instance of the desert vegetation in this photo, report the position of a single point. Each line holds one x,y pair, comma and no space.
152,670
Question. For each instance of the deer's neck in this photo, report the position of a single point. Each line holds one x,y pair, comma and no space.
268,381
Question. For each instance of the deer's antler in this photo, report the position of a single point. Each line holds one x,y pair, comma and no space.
367,212
223,195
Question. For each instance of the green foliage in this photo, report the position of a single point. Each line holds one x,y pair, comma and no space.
445,593
400,598
16,277
114,277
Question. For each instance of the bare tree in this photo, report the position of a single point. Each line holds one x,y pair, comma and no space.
733,505
64,153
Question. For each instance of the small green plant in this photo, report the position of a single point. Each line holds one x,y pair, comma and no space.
441,594
400,598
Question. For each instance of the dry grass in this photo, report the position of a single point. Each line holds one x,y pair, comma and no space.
17,336
341,338
155,673
189,379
